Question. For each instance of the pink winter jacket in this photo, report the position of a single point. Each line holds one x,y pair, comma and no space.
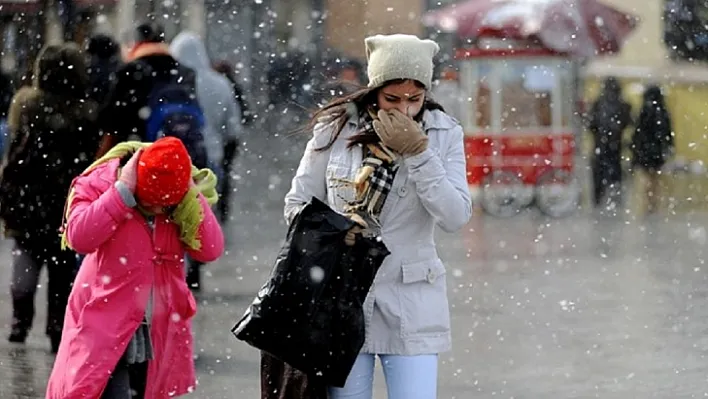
110,294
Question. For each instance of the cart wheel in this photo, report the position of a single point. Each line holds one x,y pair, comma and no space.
501,194
557,193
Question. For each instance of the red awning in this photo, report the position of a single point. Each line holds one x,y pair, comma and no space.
19,6
580,27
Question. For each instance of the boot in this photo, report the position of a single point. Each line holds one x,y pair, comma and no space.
17,335
22,316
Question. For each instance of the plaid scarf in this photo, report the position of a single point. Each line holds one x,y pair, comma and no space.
374,179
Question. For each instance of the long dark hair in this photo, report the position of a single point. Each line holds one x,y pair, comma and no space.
338,112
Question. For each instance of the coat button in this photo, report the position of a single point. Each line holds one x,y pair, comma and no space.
402,191
432,276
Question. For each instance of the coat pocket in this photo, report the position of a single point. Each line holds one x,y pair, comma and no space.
423,297
340,187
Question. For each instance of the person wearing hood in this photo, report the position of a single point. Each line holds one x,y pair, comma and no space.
653,141
609,118
52,128
222,115
214,93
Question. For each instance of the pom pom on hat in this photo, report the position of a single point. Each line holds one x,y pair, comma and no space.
163,173
392,57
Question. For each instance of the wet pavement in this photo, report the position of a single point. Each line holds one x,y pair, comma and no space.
583,307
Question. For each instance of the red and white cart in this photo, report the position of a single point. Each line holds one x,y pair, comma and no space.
520,127
519,63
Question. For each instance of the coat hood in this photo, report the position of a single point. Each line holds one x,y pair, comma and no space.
653,96
61,70
190,51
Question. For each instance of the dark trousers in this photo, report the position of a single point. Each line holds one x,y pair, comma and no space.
29,257
280,381
607,173
127,381
223,206
194,274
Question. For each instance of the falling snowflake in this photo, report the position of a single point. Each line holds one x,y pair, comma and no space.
317,274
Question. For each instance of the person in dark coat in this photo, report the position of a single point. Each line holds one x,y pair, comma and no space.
52,128
104,60
231,147
609,117
148,61
653,141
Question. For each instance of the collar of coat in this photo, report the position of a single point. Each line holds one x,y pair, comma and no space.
145,49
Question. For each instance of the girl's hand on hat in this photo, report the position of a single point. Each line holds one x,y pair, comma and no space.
129,172
400,133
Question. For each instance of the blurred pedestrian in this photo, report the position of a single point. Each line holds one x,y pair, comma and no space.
232,146
104,60
52,128
609,117
653,142
134,213
388,157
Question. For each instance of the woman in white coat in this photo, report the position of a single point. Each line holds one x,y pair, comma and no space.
391,159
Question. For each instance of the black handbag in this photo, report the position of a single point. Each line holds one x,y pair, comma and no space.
309,314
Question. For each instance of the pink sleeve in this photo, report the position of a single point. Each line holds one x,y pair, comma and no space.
210,235
93,219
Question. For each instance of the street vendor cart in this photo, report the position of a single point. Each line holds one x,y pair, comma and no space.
519,63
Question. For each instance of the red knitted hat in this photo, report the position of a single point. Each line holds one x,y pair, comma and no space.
163,173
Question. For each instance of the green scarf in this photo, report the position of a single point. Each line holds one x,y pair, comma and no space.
188,214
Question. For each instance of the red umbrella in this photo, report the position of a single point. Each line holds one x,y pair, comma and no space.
579,27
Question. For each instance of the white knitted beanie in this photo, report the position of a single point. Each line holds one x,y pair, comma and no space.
392,57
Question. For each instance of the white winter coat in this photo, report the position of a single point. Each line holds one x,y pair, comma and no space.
407,310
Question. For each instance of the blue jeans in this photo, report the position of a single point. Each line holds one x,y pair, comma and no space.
407,377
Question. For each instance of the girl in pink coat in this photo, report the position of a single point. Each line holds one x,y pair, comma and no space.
127,329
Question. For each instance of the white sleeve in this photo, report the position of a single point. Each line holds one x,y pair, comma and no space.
441,182
310,178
